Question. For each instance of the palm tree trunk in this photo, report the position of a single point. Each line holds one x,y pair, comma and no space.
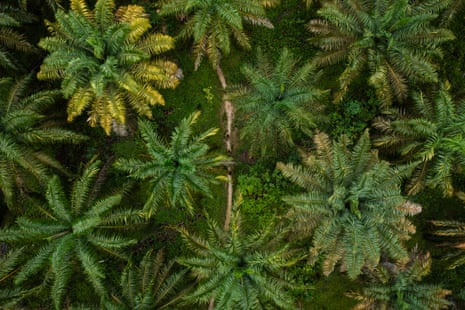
229,110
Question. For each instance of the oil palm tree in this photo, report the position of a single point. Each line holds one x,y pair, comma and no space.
276,103
177,169
10,18
434,136
106,62
212,23
275,3
239,271
353,207
392,42
71,231
53,4
24,131
151,285
398,286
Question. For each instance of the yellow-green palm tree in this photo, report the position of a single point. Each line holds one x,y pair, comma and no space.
106,62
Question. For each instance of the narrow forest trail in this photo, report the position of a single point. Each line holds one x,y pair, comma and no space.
228,109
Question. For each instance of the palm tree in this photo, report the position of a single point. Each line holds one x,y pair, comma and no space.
24,131
175,170
434,137
53,4
212,23
151,285
353,206
10,295
239,271
276,102
398,286
452,9
105,61
10,18
393,39
71,231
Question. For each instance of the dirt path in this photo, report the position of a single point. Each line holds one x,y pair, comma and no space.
228,109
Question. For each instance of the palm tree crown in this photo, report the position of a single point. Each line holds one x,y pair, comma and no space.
151,285
177,169
397,286
24,131
212,23
453,230
393,39
276,102
105,61
353,205
434,136
240,271
72,230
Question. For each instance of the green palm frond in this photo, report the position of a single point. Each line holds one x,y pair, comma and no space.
212,24
152,284
10,39
353,209
239,271
24,131
394,42
398,286
106,61
454,231
175,170
71,231
276,103
434,137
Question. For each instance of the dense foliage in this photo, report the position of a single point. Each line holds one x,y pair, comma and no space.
396,286
25,130
104,59
176,170
214,23
392,42
239,271
435,138
353,206
277,102
71,229
345,154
